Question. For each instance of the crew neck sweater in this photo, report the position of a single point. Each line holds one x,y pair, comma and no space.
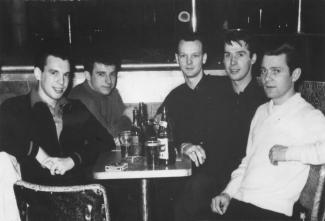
296,124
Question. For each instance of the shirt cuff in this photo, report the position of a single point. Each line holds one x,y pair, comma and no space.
33,149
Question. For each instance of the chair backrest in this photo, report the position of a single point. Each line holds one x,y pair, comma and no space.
61,203
312,196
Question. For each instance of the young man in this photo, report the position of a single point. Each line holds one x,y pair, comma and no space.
99,92
286,135
53,138
239,57
198,111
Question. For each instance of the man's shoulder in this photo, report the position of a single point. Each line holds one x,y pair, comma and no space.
217,78
17,102
78,91
218,84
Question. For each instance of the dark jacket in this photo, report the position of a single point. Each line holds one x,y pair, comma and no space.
26,125
200,116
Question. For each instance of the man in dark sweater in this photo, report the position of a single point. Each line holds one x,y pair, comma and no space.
239,57
99,92
198,110
54,139
211,118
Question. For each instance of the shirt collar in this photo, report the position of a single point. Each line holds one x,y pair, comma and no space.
35,98
291,101
199,84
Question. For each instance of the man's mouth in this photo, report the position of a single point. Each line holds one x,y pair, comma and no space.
58,90
269,86
234,71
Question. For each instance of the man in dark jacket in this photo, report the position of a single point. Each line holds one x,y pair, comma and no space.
53,138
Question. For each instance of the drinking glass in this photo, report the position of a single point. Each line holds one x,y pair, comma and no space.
125,141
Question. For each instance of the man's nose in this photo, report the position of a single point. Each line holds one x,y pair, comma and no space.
189,60
233,60
108,79
61,80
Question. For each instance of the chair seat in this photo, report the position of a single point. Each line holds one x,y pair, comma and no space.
63,203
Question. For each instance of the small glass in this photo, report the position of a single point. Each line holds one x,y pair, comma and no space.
152,150
125,142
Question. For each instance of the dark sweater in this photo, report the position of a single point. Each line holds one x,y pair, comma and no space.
108,109
200,116
23,122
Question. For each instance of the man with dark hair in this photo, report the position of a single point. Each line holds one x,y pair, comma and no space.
99,92
239,57
286,136
53,138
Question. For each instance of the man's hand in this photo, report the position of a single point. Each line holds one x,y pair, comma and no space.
220,203
195,152
59,165
277,153
41,157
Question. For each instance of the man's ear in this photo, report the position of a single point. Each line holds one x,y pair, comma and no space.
254,58
87,75
296,74
205,57
37,73
176,58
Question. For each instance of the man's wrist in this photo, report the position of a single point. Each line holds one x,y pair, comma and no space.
226,195
71,162
41,155
184,147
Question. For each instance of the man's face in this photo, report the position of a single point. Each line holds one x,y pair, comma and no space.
54,79
237,60
190,58
103,78
277,80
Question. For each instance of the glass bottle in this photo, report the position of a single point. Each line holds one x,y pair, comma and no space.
167,151
136,134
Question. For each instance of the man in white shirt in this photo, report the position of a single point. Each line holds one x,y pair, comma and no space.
286,136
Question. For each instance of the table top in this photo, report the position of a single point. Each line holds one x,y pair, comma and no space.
138,169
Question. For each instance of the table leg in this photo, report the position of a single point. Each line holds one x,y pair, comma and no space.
145,212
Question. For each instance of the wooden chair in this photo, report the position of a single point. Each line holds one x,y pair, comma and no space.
61,203
312,196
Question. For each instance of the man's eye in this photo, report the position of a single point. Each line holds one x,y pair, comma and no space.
100,74
241,54
182,56
226,55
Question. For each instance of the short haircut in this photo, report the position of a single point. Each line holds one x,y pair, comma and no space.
293,58
190,36
57,50
106,57
237,36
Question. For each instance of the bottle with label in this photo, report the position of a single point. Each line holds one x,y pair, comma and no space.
143,117
167,151
136,134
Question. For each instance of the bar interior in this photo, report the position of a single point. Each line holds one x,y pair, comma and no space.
143,35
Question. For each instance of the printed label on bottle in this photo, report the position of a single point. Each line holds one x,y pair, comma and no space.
135,140
163,124
164,148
